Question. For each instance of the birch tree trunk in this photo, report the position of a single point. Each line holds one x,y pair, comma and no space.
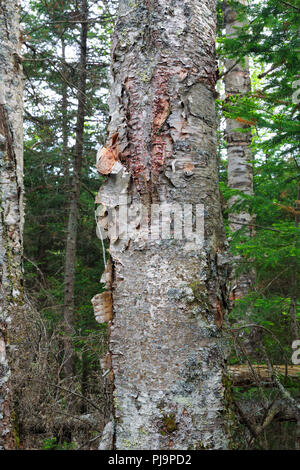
11,201
70,260
166,298
240,169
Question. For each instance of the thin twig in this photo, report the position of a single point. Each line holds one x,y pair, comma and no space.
259,226
254,325
69,391
290,5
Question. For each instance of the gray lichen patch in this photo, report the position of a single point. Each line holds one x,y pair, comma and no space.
184,294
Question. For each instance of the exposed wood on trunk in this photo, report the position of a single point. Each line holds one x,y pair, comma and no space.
11,204
169,296
70,258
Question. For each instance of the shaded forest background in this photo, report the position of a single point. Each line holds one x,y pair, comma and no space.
66,114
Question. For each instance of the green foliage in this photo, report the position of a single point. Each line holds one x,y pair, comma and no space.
51,61
273,251
270,38
52,444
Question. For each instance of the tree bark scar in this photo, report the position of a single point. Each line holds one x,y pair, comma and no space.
135,161
162,147
219,314
6,132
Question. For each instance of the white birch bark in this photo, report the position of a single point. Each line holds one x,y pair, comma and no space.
11,200
240,168
166,300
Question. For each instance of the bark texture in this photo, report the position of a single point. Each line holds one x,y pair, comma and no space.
237,83
11,201
240,169
168,298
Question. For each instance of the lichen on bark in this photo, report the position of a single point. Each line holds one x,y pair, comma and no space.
11,203
167,361
239,152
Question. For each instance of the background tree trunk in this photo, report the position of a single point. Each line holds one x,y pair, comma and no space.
169,299
11,202
70,260
240,169
64,111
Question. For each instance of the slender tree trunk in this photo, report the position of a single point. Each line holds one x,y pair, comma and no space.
11,202
70,259
240,169
64,109
169,296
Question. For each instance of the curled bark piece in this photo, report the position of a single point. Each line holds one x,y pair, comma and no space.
102,304
106,160
106,277
105,362
107,157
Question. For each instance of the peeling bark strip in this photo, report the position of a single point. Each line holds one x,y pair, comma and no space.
169,299
11,201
